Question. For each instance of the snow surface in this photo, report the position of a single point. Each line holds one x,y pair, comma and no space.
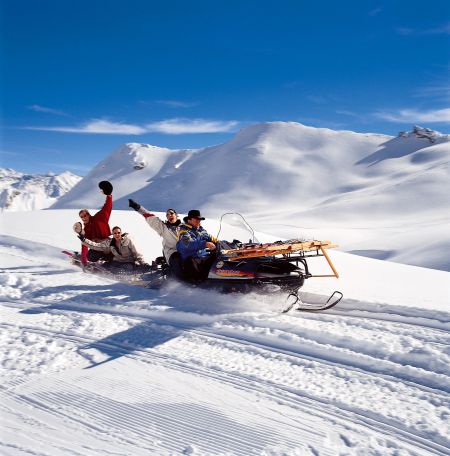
381,196
25,192
91,366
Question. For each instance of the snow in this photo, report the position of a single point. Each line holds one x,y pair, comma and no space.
381,196
24,192
91,366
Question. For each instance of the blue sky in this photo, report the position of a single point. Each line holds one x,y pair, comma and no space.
80,78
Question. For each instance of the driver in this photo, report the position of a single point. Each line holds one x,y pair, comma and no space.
193,240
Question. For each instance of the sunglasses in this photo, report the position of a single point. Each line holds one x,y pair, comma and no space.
171,213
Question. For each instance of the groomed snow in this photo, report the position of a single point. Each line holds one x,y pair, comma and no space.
95,367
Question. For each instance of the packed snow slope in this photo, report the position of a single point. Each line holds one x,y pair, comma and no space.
28,192
94,367
381,196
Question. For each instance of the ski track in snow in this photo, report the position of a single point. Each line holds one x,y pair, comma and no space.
375,374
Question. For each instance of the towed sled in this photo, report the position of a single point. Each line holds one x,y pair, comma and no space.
131,274
244,266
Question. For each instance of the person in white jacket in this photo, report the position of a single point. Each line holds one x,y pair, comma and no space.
121,247
168,231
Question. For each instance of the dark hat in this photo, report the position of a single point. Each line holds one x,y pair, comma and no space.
194,213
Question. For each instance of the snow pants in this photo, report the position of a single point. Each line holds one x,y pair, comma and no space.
176,266
96,255
197,269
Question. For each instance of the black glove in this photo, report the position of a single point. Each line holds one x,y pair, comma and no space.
106,187
81,237
134,205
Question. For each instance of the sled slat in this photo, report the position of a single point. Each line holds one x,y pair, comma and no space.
279,249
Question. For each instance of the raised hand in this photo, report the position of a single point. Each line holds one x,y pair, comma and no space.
134,205
106,187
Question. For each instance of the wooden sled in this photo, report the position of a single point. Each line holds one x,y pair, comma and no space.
286,248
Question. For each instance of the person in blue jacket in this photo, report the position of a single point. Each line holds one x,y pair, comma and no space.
196,247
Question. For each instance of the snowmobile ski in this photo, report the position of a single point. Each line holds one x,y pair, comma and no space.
305,306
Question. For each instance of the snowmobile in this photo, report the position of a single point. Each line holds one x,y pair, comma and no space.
243,267
266,267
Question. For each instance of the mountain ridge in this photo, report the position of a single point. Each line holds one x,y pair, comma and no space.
23,192
368,192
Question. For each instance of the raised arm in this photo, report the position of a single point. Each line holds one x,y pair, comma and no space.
105,212
153,221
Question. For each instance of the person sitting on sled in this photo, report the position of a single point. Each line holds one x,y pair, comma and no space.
96,227
168,231
193,242
121,248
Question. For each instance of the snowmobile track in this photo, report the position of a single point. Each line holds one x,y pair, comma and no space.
273,391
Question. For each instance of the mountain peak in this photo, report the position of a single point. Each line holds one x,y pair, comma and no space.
22,192
424,133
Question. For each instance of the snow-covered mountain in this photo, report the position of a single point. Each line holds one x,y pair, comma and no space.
25,192
376,195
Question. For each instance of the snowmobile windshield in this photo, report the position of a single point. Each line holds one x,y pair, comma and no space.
234,229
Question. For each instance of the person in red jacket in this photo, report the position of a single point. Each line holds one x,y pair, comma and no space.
96,227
